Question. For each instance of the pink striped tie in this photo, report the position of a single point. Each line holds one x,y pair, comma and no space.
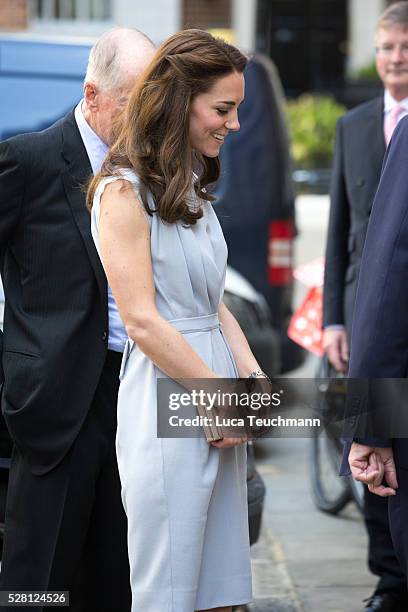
391,121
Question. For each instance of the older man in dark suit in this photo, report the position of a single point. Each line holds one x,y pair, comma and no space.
65,525
362,135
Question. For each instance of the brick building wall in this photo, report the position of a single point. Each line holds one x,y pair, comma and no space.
13,14
206,14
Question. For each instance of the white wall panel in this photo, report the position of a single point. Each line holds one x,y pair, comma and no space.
244,23
156,18
363,17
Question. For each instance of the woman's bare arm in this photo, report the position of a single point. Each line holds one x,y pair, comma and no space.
125,249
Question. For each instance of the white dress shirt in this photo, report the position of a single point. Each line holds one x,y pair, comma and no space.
390,103
96,150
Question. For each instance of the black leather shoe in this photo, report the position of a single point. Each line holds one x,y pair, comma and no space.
387,602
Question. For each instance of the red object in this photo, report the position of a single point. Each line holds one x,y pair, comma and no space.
305,326
280,252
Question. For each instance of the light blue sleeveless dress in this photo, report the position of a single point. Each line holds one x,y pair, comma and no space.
185,500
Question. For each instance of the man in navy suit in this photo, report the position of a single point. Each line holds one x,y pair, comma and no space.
362,135
379,345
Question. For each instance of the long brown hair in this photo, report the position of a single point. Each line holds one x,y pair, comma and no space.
152,136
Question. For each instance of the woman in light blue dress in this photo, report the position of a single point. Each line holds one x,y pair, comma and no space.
165,258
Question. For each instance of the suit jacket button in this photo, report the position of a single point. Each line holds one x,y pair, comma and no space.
360,181
104,336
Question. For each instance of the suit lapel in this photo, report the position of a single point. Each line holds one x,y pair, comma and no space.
75,177
375,135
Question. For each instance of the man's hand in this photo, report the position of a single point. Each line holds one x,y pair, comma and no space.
335,344
372,465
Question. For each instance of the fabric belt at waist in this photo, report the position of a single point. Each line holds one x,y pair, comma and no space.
184,326
193,324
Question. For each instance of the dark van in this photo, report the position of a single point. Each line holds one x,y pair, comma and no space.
255,203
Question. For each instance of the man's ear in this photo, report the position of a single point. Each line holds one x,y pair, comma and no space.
91,96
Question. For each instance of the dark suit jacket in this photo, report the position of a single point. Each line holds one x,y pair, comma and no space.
379,344
55,321
358,159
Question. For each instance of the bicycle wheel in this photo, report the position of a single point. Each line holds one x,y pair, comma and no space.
330,491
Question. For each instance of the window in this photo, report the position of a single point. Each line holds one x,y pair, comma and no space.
70,9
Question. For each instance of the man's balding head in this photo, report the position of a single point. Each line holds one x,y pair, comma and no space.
115,63
118,50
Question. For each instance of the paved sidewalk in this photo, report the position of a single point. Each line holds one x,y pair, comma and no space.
273,588
306,561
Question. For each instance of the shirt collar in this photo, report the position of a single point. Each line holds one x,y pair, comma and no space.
95,147
390,102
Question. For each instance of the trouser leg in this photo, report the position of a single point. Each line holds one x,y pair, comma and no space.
382,559
66,530
105,563
43,538
398,513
